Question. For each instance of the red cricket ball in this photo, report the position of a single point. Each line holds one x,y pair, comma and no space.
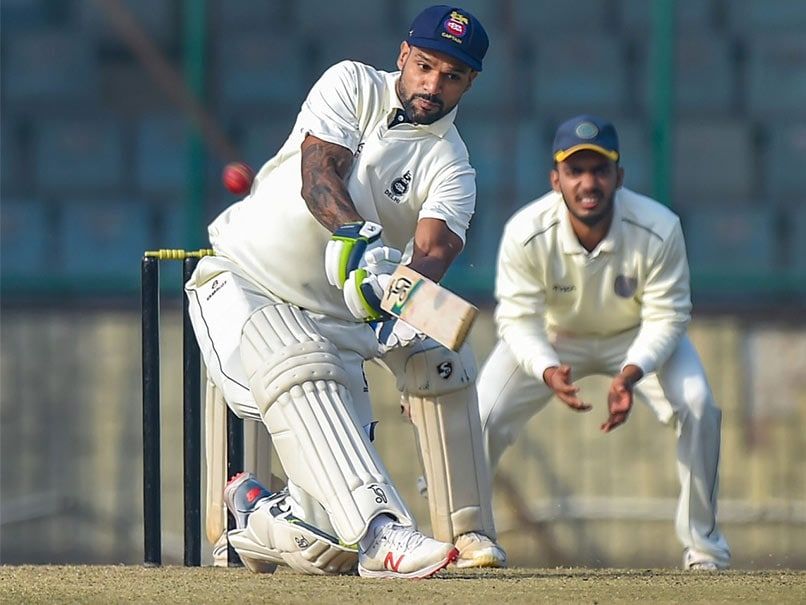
237,177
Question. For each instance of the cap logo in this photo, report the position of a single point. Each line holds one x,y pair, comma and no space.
455,27
586,130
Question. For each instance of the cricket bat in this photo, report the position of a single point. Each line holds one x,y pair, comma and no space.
433,310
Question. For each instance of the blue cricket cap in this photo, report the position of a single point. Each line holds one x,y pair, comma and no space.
585,132
450,30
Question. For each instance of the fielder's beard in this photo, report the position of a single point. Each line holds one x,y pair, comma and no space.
591,220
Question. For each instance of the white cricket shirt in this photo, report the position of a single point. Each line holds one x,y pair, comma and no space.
637,276
399,175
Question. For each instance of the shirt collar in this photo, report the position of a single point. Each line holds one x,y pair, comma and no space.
392,103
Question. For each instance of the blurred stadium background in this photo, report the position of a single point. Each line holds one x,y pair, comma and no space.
101,160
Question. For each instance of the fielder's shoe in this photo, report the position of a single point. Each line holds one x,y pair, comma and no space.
403,552
477,550
694,561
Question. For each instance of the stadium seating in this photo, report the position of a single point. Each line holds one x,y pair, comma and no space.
784,161
536,18
489,13
776,75
158,19
635,141
375,48
263,138
104,238
84,120
777,16
737,240
490,151
705,78
318,18
24,235
713,161
690,17
259,70
497,88
574,74
44,65
230,17
797,252
162,151
84,153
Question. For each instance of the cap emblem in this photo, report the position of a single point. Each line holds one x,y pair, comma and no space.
455,26
586,130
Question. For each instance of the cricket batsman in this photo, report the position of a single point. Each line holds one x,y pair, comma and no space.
374,173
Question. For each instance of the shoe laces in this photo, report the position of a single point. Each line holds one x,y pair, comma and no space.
473,537
400,537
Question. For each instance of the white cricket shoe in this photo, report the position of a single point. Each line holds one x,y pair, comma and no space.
269,534
694,561
477,550
403,552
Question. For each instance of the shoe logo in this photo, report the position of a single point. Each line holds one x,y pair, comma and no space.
390,563
301,541
252,494
380,496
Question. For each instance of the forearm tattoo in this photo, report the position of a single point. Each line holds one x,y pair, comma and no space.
324,166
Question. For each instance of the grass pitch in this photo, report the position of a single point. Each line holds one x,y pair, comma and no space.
130,584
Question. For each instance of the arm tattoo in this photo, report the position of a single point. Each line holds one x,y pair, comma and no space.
324,166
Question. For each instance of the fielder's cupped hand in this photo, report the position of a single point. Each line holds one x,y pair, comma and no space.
558,378
619,403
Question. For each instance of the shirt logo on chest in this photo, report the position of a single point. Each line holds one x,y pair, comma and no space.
625,286
398,187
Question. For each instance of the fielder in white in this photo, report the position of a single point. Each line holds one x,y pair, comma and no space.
593,279
373,166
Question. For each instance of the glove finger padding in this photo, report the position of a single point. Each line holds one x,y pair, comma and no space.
363,292
395,333
381,260
346,248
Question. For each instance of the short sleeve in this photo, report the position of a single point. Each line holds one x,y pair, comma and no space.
330,110
453,199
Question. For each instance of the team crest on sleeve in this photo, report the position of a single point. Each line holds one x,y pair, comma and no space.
399,187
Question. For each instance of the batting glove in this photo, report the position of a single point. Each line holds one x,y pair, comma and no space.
346,249
394,333
363,292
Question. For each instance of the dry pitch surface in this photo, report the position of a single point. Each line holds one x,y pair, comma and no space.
129,584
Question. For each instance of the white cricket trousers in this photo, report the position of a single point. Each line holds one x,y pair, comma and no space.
679,390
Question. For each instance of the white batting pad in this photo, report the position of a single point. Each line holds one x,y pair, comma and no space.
441,396
300,385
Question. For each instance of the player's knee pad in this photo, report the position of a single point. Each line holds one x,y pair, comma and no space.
301,387
440,394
